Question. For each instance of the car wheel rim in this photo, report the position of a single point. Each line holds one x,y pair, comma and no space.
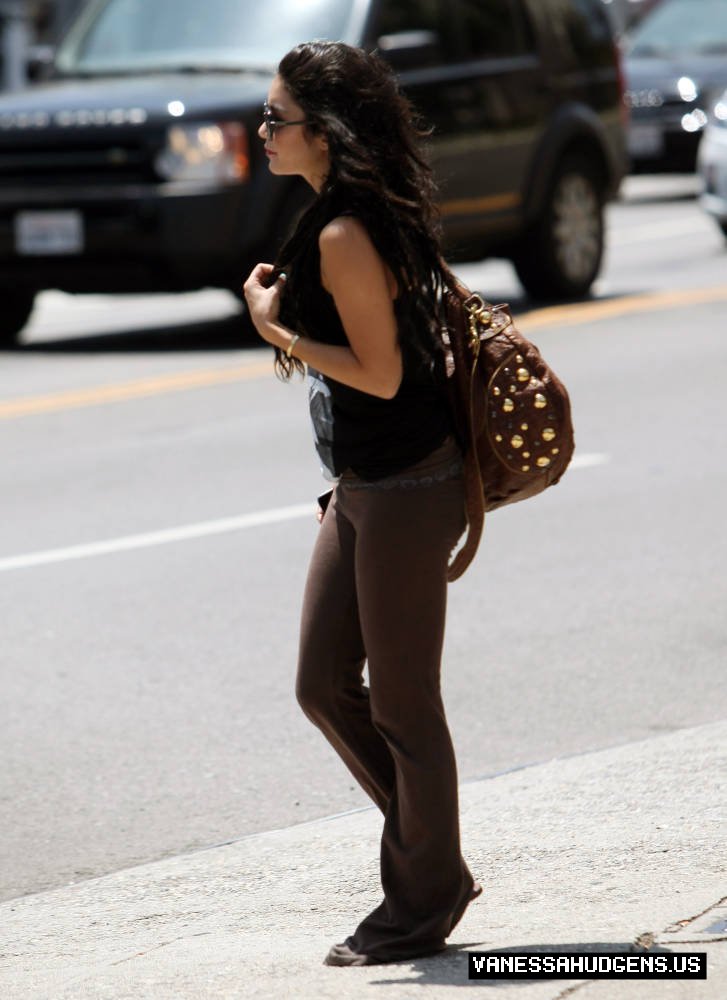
577,227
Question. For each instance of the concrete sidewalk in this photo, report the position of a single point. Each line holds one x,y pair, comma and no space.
588,851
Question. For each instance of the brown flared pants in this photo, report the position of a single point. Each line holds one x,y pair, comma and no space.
376,592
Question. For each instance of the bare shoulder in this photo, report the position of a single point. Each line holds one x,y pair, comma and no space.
346,248
345,234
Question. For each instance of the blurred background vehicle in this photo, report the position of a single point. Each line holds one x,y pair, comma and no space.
676,67
136,166
712,164
626,13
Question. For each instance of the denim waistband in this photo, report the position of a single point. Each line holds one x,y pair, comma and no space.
440,465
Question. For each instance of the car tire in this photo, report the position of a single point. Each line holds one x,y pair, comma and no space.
560,255
723,226
16,308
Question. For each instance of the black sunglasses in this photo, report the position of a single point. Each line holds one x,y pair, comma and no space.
272,124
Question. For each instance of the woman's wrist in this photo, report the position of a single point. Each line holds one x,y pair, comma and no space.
278,335
291,342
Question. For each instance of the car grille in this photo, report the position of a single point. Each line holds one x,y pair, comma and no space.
77,165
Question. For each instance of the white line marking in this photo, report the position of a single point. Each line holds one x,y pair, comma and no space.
588,460
656,231
164,537
203,529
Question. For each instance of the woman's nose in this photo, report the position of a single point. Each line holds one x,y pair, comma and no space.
262,131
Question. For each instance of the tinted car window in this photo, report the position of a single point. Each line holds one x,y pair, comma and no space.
435,16
466,29
496,28
591,36
131,34
410,15
583,26
592,21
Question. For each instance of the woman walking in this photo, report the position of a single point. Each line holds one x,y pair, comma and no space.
353,297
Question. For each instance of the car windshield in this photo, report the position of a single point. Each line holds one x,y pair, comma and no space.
130,36
678,27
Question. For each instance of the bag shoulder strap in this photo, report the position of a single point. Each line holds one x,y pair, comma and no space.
462,334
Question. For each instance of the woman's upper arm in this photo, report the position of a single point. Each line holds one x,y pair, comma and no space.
361,285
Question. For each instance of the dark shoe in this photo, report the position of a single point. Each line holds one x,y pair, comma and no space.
341,954
474,892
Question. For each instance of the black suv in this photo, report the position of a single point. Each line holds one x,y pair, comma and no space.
136,166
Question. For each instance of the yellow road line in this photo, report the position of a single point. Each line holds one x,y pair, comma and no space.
121,391
588,312
466,206
566,315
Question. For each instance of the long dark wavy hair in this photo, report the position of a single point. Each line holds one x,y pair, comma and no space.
379,173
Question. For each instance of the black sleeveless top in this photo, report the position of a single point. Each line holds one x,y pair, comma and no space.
372,436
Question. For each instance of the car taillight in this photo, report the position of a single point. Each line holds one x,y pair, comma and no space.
623,106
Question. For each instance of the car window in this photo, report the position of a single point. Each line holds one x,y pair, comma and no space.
433,16
682,26
495,28
465,29
593,20
584,28
128,35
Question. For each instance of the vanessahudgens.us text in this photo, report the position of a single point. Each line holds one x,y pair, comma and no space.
587,965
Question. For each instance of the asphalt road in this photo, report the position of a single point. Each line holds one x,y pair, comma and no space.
155,536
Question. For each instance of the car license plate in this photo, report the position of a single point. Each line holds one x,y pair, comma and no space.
48,233
645,140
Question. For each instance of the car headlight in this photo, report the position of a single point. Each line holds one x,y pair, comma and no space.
688,90
720,114
694,121
204,152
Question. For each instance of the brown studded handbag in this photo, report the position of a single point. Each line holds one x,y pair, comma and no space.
511,411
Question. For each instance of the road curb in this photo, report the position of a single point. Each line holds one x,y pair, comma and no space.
600,847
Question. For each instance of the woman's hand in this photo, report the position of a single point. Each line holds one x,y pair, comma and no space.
263,302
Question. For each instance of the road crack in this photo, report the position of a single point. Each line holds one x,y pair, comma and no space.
162,944
710,940
570,990
679,925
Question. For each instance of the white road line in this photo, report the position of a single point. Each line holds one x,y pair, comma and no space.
655,231
203,529
164,537
588,460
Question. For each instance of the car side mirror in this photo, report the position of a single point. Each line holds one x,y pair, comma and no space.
39,62
410,49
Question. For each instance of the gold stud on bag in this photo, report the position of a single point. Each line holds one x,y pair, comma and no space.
510,408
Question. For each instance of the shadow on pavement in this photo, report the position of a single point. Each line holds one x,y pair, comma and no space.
230,333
